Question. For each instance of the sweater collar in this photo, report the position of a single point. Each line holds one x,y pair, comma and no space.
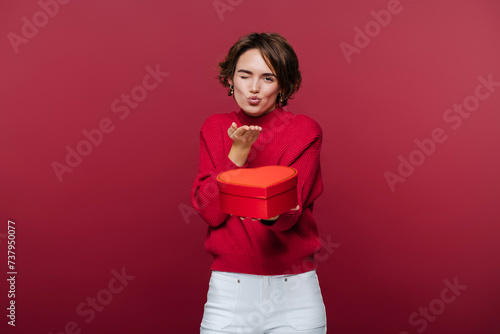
260,120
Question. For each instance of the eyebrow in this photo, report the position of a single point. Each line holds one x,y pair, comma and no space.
263,74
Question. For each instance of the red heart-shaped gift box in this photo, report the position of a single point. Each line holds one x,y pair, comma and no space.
261,192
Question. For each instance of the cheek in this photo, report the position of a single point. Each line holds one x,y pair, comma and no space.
238,86
272,91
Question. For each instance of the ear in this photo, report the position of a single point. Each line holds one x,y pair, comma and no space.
230,81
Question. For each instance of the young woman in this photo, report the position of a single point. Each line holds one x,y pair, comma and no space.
264,273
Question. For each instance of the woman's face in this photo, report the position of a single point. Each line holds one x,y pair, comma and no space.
255,84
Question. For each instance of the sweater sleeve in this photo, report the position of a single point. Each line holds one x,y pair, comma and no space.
212,161
304,155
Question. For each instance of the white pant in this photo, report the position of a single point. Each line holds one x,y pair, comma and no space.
241,303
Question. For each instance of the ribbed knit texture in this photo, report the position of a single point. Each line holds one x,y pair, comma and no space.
251,247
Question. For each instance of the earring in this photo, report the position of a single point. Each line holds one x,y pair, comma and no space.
231,91
280,99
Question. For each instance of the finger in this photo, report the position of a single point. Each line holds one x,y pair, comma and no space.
232,128
255,128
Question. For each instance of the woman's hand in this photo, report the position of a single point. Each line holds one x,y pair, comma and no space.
272,218
243,137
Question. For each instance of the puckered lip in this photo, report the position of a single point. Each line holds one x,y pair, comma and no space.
254,98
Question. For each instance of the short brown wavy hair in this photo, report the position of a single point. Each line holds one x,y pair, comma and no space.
278,54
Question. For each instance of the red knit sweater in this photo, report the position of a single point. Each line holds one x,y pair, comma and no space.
251,247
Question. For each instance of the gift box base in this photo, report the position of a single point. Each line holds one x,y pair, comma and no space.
263,208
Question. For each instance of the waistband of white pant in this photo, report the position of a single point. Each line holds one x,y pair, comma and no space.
240,275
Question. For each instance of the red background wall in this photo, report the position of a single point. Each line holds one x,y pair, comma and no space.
125,206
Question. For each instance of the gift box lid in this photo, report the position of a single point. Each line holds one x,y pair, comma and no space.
260,182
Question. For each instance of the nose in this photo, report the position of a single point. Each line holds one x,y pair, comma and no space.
254,86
